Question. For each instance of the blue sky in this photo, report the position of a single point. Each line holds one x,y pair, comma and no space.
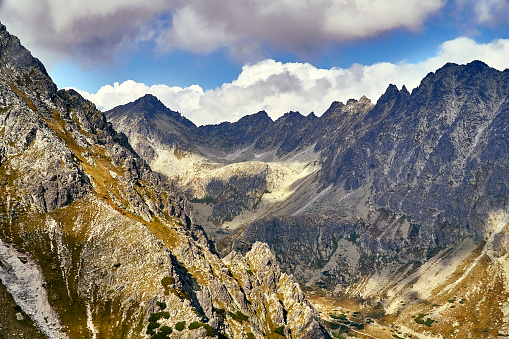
218,60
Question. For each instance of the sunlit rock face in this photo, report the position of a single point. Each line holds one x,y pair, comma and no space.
94,244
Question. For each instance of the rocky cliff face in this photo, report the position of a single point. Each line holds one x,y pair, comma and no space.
437,155
101,246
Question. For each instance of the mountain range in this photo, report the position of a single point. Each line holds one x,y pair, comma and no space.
398,205
390,217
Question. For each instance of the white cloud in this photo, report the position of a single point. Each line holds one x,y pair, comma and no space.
97,29
280,87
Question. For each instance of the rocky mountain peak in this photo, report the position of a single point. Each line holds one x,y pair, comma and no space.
364,99
260,118
472,76
16,57
148,103
291,116
149,107
353,106
21,70
390,93
334,106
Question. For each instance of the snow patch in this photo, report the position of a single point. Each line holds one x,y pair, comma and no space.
24,280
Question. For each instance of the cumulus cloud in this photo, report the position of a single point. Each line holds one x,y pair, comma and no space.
98,30
281,87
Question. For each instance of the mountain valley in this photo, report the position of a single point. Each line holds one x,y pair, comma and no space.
396,208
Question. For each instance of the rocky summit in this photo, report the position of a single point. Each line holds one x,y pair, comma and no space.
398,208
94,244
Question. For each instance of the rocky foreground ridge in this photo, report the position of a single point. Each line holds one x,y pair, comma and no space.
93,244
399,205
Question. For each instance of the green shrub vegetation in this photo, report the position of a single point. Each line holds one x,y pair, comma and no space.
420,320
338,317
359,326
185,295
180,325
158,315
151,326
165,330
210,331
429,321
353,237
238,316
162,305
280,330
167,281
206,200
154,317
194,325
